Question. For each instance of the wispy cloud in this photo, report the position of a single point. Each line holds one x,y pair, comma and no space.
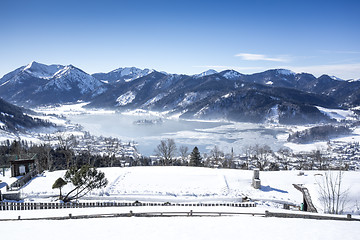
260,57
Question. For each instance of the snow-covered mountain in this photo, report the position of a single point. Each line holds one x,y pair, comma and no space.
215,97
38,83
206,73
231,74
122,74
212,95
69,78
33,69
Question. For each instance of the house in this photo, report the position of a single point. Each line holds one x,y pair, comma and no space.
20,167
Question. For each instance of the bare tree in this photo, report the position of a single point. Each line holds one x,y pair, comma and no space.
283,154
332,194
261,154
217,155
184,152
166,150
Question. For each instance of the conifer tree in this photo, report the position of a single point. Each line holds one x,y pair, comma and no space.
195,158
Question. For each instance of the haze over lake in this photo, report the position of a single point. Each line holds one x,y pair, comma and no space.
203,134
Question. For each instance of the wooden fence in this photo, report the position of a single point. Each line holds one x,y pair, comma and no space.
5,206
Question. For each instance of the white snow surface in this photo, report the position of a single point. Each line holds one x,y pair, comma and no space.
176,228
206,73
197,185
231,74
336,78
154,99
338,114
285,72
182,184
191,97
126,98
71,109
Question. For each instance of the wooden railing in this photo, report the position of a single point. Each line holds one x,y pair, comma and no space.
15,186
5,206
307,197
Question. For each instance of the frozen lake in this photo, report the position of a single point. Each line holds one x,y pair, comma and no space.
204,135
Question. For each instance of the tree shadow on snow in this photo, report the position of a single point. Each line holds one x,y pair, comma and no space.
269,189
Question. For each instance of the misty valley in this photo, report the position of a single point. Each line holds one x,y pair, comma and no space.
203,134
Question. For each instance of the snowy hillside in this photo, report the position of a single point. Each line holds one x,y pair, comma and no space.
191,184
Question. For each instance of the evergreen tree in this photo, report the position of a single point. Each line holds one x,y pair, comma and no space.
195,158
84,180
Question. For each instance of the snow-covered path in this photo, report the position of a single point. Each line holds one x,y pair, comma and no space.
239,227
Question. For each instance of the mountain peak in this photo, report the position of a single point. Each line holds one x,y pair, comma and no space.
40,70
231,74
206,73
33,65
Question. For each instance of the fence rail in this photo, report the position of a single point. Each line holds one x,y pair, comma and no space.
15,186
6,206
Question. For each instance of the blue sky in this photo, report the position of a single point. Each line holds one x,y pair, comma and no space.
183,36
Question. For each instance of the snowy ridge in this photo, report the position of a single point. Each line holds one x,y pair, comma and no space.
132,73
206,73
126,74
338,114
285,72
41,70
336,78
68,77
231,74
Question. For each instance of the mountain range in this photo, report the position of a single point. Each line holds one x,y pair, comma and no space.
277,95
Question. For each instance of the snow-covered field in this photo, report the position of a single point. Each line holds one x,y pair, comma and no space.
183,184
192,184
